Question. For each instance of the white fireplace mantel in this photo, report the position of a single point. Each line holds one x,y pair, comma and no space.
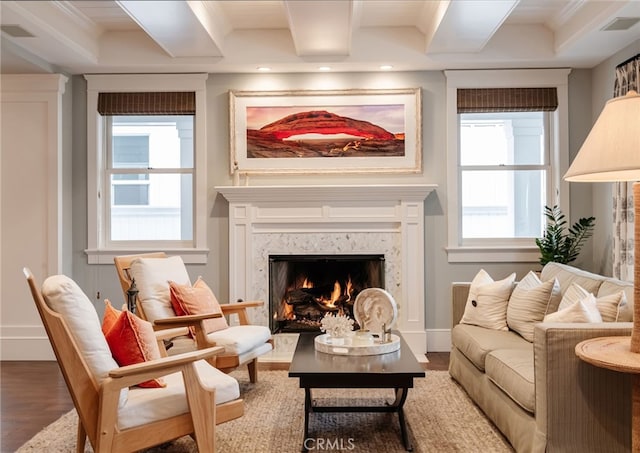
388,192
381,219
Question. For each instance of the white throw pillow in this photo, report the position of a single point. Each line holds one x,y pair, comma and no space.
487,301
152,277
609,306
529,303
573,294
584,310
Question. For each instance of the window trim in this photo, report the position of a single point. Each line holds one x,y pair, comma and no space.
97,251
558,156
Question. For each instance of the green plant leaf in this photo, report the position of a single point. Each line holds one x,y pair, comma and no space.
559,243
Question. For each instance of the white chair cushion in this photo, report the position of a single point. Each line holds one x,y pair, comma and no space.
66,298
240,339
147,405
152,277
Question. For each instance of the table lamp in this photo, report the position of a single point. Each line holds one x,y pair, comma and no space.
611,152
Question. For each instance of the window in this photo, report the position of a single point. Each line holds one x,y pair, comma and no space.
503,174
149,174
146,165
504,163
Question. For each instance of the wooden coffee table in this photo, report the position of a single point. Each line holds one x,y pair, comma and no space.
395,370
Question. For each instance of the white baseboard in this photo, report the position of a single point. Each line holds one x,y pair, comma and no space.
26,348
417,341
438,340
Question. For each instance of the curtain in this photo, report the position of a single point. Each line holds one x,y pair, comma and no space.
487,100
147,103
627,78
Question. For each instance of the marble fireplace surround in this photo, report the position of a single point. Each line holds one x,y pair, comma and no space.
335,219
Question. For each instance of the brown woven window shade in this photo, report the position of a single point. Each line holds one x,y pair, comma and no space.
487,100
147,103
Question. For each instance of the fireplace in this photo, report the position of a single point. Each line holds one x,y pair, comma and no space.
384,219
303,288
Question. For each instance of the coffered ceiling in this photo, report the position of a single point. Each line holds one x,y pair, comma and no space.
303,35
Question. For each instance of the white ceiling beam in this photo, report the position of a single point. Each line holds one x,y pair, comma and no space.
431,17
321,28
181,28
457,26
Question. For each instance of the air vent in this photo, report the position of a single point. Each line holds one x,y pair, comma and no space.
16,31
621,23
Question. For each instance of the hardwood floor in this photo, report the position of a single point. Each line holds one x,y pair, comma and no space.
34,394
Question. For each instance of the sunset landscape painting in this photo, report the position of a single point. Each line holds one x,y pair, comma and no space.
325,131
333,131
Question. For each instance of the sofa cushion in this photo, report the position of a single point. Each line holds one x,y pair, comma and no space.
512,370
612,305
476,342
582,310
612,286
567,275
609,305
530,301
487,301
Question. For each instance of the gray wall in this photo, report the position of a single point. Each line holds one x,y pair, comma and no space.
439,273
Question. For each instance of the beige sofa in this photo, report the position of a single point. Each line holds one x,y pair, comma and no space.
540,395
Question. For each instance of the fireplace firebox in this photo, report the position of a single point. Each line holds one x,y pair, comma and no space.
303,288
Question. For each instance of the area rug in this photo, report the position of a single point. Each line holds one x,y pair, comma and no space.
439,414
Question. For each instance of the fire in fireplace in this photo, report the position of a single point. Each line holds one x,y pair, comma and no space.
303,288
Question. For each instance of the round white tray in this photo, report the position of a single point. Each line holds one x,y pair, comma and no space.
348,346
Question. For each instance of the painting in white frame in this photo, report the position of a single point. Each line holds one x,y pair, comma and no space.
346,131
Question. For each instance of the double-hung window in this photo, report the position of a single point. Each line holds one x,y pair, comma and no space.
504,161
149,179
146,167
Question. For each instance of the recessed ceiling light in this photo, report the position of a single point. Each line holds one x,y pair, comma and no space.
264,69
324,68
386,67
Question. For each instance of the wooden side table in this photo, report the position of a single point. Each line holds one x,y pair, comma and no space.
613,353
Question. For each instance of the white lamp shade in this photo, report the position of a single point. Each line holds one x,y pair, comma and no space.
611,151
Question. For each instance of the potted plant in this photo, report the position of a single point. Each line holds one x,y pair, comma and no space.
560,244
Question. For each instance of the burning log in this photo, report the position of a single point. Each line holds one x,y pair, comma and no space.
307,312
301,296
327,306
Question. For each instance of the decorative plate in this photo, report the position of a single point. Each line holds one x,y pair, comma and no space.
373,308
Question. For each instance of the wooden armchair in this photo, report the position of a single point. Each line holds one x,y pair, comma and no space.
243,343
113,416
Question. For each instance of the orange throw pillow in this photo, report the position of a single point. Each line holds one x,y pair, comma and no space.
197,300
132,340
110,316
